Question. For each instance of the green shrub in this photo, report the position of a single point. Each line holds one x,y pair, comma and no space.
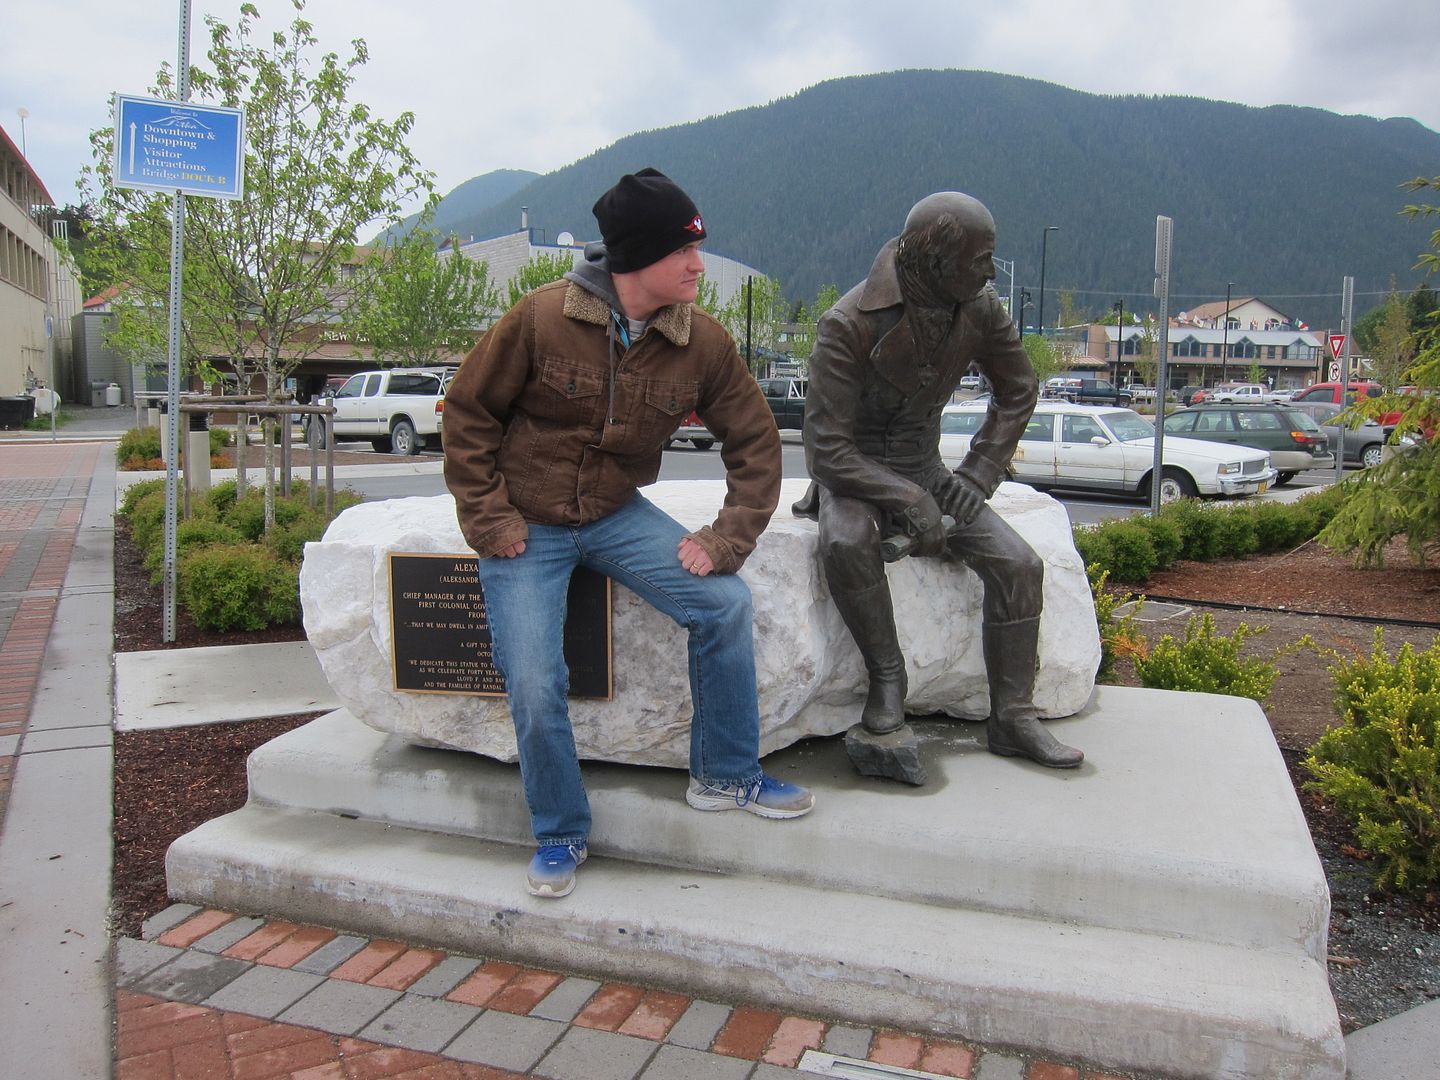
1093,546
1165,538
1235,533
1381,766
147,520
137,491
1199,529
1118,637
1278,526
247,516
1207,662
238,587
190,534
219,440
288,541
142,443
1132,555
220,498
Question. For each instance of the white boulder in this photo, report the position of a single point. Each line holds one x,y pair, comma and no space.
810,676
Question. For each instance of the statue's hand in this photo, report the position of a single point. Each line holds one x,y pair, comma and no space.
961,498
923,522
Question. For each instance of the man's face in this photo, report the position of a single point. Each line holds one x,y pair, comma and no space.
963,270
673,280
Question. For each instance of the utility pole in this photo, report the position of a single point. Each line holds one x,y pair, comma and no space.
1164,228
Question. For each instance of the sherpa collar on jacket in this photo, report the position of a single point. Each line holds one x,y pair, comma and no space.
584,306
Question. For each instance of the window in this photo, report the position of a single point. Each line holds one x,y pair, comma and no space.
352,388
961,423
1039,429
414,384
1181,422
372,384
1189,347
1080,429
1243,349
1258,421
1213,421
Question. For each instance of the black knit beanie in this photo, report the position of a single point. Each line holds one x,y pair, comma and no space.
645,217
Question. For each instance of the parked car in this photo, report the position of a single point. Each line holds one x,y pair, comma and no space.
398,410
1101,448
1338,393
1085,391
1292,437
1364,445
786,398
1140,392
972,382
1238,391
693,431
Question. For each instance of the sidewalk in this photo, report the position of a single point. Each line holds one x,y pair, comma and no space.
219,994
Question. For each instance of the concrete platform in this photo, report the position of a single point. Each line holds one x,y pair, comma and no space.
1159,909
167,688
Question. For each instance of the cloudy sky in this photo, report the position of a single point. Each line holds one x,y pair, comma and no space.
539,84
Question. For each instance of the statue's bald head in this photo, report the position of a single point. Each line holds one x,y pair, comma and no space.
947,246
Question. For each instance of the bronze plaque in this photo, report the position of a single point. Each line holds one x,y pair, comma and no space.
441,636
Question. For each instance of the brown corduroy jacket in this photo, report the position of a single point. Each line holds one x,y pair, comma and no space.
539,429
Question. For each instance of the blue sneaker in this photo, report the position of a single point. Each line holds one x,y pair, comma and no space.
552,870
767,797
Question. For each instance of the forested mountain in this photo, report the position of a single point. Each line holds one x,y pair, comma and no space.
468,202
1282,201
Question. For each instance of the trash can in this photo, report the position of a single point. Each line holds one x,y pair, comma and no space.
112,394
97,394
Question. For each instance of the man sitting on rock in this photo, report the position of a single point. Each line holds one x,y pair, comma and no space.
556,417
887,359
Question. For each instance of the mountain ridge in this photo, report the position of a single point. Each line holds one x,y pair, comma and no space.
1282,200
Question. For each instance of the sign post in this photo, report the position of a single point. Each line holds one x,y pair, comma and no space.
176,147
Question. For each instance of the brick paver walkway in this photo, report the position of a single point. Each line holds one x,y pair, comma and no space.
208,994
42,493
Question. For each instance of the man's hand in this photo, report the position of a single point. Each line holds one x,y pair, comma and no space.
695,558
517,548
961,498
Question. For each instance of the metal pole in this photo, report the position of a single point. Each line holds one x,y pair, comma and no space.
1024,300
749,309
1347,309
1163,230
1225,334
1044,242
1119,307
172,397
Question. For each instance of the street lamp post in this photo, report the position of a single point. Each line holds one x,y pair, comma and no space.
1225,335
1020,322
1119,308
1044,240
23,113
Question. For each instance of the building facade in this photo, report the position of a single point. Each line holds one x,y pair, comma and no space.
39,290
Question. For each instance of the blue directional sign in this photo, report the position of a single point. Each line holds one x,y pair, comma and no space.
175,146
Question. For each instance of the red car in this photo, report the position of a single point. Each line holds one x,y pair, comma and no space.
693,431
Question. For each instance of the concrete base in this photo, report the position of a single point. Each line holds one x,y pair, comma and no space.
1159,908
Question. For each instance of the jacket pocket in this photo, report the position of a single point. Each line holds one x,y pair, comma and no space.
568,394
665,407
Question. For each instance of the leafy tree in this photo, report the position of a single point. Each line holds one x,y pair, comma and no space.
802,342
262,273
1070,314
540,270
419,307
766,311
707,295
1400,497
1147,351
1044,357
1394,345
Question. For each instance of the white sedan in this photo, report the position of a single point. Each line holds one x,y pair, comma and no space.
1102,448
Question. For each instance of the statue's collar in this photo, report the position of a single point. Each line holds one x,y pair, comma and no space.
882,284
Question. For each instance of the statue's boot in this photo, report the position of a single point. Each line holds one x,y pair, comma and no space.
1013,729
870,617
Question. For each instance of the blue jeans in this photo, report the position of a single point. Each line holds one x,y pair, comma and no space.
525,601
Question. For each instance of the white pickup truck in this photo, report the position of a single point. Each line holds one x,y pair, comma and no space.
1232,392
398,410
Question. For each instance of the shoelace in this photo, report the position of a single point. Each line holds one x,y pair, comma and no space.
555,854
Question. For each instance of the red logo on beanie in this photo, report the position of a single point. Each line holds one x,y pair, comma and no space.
696,226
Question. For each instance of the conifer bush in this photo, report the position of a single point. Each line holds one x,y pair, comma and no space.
137,447
1208,663
1381,767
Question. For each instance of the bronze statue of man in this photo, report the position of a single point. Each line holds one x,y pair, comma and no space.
887,359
